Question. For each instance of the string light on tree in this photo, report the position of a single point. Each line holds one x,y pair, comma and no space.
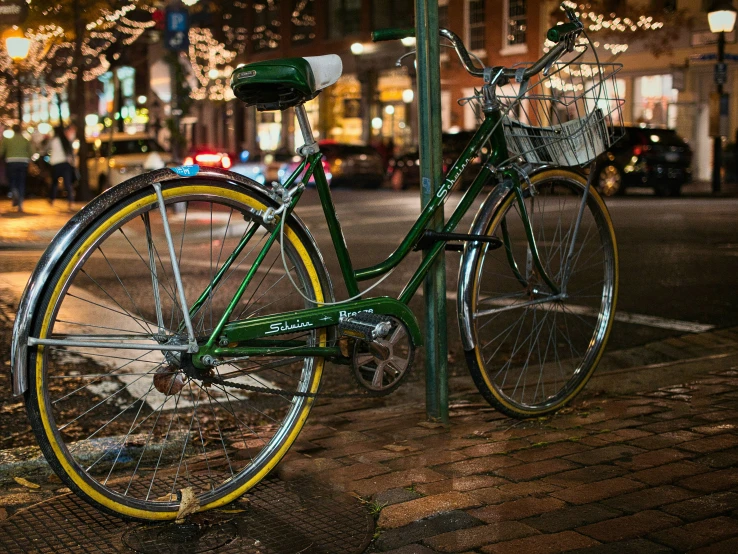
210,61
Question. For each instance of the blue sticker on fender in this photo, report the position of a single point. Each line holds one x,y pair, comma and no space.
186,170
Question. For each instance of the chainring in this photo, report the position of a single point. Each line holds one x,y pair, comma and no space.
381,365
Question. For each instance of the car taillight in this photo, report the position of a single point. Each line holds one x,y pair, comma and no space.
326,166
208,159
640,149
226,162
189,161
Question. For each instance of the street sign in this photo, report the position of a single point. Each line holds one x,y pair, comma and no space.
13,12
721,73
176,31
710,57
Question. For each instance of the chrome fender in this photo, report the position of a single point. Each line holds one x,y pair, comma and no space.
472,251
36,286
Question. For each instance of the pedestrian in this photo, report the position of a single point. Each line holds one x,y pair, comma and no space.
17,152
61,158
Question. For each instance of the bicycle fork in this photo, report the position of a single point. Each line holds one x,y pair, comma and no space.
533,259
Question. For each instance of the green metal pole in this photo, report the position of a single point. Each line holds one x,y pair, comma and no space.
429,118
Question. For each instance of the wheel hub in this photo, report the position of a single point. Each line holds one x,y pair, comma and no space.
171,378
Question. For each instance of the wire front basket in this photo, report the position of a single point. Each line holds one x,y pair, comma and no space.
567,117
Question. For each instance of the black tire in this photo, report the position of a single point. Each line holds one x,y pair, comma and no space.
531,360
133,454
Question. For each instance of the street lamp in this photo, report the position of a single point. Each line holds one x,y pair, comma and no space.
721,17
17,46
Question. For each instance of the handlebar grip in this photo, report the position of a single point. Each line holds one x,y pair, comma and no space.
555,34
392,34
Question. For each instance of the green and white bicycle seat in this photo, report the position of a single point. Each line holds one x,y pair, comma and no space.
284,83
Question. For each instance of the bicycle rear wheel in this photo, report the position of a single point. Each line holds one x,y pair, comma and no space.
533,355
127,429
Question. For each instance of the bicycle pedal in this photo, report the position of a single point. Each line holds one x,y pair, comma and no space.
364,325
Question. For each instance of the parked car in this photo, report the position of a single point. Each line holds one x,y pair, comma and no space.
264,167
345,165
654,158
129,156
404,170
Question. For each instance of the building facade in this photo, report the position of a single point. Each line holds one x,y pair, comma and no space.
375,99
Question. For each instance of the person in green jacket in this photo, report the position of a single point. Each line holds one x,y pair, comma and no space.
17,152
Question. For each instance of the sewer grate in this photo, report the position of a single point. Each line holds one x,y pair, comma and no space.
275,517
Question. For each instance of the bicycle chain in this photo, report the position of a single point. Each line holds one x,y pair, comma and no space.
279,392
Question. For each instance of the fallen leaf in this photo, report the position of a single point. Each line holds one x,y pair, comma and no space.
188,505
431,424
167,498
26,483
398,448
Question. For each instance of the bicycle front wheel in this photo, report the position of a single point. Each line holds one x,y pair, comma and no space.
129,429
535,349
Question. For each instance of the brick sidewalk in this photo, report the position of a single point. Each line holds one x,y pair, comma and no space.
653,472
36,226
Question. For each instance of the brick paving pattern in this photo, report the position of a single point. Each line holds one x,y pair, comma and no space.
652,472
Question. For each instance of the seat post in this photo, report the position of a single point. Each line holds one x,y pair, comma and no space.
307,131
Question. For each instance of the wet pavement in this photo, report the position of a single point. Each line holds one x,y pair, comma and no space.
652,471
648,472
36,226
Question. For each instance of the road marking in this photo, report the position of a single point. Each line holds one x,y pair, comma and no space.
623,317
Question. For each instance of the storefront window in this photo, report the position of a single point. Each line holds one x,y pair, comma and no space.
343,120
268,130
396,130
652,95
128,115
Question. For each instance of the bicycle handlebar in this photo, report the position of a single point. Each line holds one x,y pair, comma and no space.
392,34
560,34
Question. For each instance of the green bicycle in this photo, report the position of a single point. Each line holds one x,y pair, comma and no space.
173,336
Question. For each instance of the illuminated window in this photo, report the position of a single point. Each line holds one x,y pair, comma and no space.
652,97
517,22
303,21
266,34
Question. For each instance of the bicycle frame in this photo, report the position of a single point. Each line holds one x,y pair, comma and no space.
251,337
254,336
